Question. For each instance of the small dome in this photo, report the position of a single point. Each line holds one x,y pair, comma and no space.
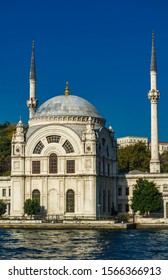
67,105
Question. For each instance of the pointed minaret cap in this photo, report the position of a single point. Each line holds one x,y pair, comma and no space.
32,67
20,121
111,128
67,92
153,66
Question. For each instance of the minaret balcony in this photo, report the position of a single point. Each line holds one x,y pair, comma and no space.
32,103
154,95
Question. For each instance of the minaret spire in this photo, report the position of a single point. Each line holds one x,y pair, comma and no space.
153,66
32,66
32,102
154,95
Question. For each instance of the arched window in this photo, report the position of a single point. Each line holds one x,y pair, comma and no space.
36,195
53,163
68,147
53,138
70,201
38,148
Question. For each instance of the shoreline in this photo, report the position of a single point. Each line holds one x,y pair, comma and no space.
64,226
79,226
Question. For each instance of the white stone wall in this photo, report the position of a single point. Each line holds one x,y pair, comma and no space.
5,192
94,171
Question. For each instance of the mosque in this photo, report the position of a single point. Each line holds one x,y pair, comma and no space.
68,158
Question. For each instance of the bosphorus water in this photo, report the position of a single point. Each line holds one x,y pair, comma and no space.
84,244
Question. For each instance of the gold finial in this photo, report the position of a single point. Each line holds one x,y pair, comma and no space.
67,92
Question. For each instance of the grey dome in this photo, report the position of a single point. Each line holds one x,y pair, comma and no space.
67,105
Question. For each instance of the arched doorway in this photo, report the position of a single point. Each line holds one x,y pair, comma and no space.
70,201
36,195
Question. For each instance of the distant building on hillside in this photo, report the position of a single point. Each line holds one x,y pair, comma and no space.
132,140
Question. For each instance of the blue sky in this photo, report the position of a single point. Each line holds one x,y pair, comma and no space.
102,48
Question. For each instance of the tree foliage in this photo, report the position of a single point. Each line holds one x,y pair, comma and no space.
146,197
164,162
32,207
6,132
2,207
134,157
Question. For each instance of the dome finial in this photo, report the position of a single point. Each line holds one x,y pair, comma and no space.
67,92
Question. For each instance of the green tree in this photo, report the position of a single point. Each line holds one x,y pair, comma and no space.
32,207
134,157
146,197
6,132
2,208
164,162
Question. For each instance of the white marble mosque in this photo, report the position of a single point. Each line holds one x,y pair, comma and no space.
68,158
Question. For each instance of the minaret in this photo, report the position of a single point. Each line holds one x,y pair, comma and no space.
154,95
32,102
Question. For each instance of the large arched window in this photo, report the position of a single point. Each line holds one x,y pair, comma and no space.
53,163
36,195
68,147
70,201
38,148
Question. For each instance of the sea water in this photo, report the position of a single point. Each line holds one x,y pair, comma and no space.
84,244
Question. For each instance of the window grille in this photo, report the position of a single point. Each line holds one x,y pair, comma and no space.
36,167
70,166
68,147
53,139
38,148
70,201
53,163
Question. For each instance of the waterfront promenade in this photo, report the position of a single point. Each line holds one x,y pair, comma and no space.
98,224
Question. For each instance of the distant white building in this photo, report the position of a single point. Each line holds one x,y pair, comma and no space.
163,147
132,140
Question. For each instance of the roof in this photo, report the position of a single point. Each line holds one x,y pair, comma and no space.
67,105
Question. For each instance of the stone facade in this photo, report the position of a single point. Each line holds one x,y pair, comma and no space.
85,163
68,161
